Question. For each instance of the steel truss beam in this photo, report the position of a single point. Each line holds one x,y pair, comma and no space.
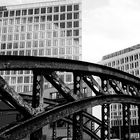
21,130
30,62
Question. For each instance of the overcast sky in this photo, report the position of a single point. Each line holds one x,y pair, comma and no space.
107,25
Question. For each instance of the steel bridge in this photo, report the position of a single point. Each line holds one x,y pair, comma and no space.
72,108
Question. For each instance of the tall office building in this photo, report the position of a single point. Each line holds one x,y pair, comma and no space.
51,29
127,60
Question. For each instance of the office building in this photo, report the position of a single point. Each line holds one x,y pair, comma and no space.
48,29
127,60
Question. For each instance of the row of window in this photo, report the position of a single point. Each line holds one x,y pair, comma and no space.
36,27
43,10
36,19
40,43
124,60
41,52
39,35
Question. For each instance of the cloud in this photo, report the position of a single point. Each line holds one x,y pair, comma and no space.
110,28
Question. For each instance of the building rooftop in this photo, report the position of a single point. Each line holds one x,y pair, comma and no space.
121,52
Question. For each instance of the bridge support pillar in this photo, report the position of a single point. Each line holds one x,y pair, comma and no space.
105,130
126,121
37,100
77,126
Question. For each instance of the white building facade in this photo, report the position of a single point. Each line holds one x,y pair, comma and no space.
127,60
47,29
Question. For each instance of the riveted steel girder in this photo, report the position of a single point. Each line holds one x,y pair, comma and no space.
33,124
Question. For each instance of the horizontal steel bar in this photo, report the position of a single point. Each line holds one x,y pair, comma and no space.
30,62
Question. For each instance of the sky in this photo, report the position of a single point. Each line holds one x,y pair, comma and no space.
107,26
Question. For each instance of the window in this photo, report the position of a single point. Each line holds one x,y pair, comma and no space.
76,50
43,10
69,16
3,37
22,36
26,89
34,52
28,52
62,25
29,28
5,13
17,28
36,27
49,18
15,45
15,52
69,24
12,13
23,20
10,29
42,26
28,44
35,35
76,33
29,35
36,11
76,23
5,21
55,51
18,13
35,43
49,26
69,42
76,41
48,42
55,42
30,11
30,19
10,37
69,8
62,33
41,52
62,17
42,35
68,50
24,12
49,10
76,7
26,79
55,34
11,21
56,17
21,52
62,42
41,43
49,34
17,21
48,51
68,78
9,46
13,80
56,9
69,32
4,30
42,18
3,46
36,19
16,37
62,51
76,15
22,44
62,8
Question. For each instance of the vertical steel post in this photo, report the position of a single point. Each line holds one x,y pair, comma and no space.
54,130
105,129
78,126
68,130
126,121
37,100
